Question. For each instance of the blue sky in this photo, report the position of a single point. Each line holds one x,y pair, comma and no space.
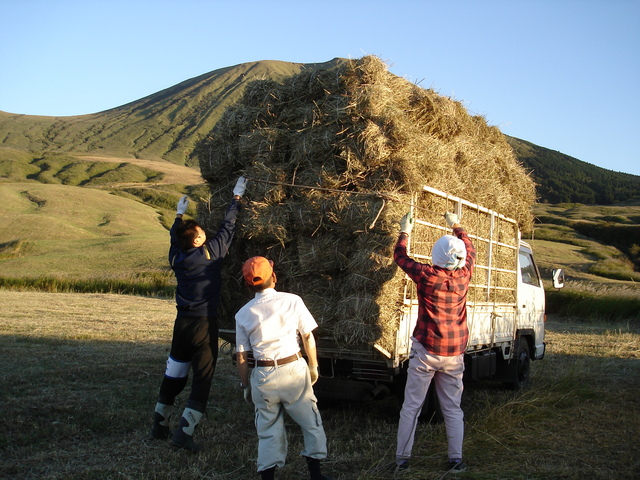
563,74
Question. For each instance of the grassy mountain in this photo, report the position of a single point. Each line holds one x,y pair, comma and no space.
166,125
603,241
599,248
161,126
81,219
564,179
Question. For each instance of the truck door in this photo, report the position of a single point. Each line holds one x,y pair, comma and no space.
531,302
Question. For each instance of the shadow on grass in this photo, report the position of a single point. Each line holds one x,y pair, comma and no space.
82,409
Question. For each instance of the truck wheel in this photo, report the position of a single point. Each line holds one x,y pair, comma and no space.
520,366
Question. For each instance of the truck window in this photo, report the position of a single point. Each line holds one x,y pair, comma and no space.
528,269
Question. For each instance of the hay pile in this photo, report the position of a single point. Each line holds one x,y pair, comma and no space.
369,140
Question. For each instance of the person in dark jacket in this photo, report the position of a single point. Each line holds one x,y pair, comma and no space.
197,264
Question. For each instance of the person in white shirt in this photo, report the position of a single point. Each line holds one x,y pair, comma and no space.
268,326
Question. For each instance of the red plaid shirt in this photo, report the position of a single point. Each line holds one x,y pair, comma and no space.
442,299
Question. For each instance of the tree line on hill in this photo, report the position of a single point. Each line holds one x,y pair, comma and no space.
564,179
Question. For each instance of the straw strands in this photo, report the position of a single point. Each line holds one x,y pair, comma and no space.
368,141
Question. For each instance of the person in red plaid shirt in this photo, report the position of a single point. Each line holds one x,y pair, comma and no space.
440,336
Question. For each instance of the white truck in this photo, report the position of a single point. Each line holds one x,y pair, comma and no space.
505,308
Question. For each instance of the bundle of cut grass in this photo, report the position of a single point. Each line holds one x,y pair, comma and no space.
334,159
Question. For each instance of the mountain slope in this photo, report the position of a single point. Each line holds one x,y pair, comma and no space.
167,124
77,232
161,126
564,179
137,153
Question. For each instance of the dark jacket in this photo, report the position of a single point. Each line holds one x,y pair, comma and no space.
199,270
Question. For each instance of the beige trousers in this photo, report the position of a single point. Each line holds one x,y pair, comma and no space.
274,391
446,372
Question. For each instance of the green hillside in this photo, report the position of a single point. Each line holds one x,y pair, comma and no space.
65,169
564,179
599,249
75,224
164,125
607,238
60,230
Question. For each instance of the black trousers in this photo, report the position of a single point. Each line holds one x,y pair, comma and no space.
195,340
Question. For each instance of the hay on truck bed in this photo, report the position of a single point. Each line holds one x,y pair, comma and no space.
370,140
494,236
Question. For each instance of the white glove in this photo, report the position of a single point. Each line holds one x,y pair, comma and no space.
241,187
183,203
406,223
247,394
313,371
451,219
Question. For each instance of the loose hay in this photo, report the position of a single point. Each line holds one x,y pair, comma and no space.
368,141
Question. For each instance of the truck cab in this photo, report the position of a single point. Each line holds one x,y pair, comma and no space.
506,337
530,301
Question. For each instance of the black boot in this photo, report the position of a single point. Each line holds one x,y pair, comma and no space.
314,469
158,430
268,474
182,439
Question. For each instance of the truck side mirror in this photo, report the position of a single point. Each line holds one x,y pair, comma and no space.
558,278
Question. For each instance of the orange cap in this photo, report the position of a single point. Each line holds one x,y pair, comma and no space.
257,270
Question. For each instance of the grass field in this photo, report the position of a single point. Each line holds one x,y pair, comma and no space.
81,373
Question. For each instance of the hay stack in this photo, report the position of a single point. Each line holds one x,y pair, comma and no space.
368,140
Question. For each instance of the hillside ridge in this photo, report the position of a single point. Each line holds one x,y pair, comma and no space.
140,152
160,126
167,124
561,178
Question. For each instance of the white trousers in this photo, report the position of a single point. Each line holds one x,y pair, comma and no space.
446,372
275,390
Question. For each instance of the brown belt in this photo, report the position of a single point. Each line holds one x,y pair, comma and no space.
280,361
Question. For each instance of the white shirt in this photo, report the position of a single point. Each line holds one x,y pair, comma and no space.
269,325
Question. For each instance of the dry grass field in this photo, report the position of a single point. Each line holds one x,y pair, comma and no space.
81,372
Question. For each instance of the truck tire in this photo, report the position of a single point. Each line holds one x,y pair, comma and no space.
520,366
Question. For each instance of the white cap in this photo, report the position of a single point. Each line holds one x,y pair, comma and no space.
449,252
